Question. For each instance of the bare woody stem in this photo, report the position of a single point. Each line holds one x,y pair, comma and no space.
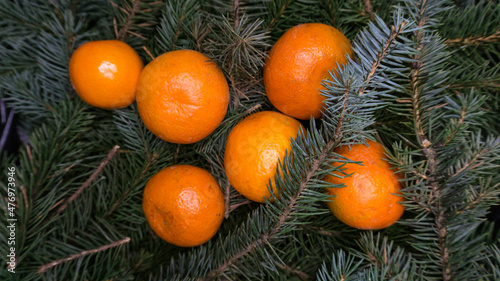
368,9
131,14
475,40
50,265
227,200
236,12
92,178
300,274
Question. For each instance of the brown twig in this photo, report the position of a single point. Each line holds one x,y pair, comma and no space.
368,9
394,33
414,80
25,196
253,109
178,31
56,204
338,130
92,178
30,156
300,274
237,91
148,52
227,200
199,37
235,206
136,34
474,40
48,266
123,32
236,12
481,84
176,154
322,231
115,27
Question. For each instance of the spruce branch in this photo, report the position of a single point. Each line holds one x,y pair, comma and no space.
239,48
450,167
278,11
91,179
471,25
424,11
430,155
125,194
459,126
134,17
35,91
480,197
266,237
290,206
342,268
472,163
82,254
131,14
175,31
385,50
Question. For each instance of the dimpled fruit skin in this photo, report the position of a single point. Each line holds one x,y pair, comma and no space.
368,200
184,205
105,73
298,62
182,96
253,149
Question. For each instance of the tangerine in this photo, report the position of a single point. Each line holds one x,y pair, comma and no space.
253,149
105,73
371,196
182,96
298,62
184,205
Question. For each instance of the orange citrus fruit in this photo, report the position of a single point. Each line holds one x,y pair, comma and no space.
253,149
298,62
184,205
182,96
105,73
369,199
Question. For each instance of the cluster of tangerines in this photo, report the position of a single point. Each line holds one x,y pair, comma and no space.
182,97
